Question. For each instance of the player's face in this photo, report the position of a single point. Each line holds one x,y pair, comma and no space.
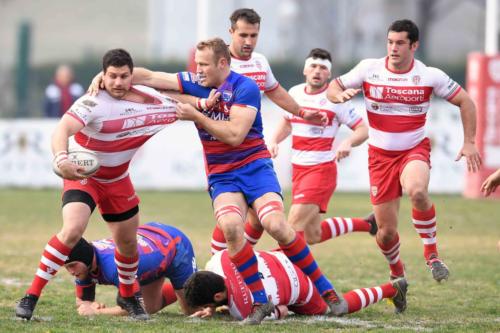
316,75
77,269
207,69
244,37
117,81
399,49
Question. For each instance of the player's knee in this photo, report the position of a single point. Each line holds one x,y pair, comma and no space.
127,245
232,229
386,234
418,195
70,237
277,227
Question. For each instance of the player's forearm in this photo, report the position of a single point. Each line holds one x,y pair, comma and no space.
468,115
359,135
159,80
283,130
281,98
334,89
66,127
224,131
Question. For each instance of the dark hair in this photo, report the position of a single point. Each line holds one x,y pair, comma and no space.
320,53
218,47
246,14
83,251
200,288
117,58
405,25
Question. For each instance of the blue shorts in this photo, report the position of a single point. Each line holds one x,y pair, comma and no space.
253,180
184,263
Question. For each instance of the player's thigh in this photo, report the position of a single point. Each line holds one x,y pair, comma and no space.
415,175
124,232
76,217
304,216
153,298
230,199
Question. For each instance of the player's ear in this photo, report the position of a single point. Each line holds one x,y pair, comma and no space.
415,45
219,297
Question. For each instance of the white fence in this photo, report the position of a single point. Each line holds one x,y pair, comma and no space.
173,159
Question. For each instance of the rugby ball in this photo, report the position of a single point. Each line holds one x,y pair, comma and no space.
85,159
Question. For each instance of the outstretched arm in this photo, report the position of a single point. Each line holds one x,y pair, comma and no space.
282,131
357,137
283,99
337,94
468,115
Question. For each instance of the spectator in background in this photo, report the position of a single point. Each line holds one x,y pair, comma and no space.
62,93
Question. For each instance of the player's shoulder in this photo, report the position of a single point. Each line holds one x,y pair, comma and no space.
146,89
244,81
372,62
258,56
296,89
419,65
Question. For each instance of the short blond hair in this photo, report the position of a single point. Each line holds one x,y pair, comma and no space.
218,47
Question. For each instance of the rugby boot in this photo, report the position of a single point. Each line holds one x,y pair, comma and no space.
133,305
438,268
373,224
399,300
25,306
337,304
259,312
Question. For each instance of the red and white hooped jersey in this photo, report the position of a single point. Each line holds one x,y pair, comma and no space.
313,144
397,102
116,129
256,68
285,283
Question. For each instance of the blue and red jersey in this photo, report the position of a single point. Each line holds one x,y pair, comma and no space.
237,90
164,251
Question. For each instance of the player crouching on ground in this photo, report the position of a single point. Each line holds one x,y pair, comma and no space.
164,251
286,286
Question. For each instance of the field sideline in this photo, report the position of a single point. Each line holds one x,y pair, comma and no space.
468,232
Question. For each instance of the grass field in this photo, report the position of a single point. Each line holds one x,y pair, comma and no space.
468,232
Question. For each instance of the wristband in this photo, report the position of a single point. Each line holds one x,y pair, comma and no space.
203,104
301,113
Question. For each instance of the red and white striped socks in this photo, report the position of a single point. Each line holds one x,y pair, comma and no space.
127,269
391,253
363,297
53,257
337,226
425,225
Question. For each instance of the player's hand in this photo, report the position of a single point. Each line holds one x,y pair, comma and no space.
90,308
491,183
343,150
71,171
472,156
204,313
347,95
96,84
273,149
315,116
280,311
186,111
212,99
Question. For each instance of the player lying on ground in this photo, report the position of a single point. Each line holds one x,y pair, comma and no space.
239,169
164,252
286,286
